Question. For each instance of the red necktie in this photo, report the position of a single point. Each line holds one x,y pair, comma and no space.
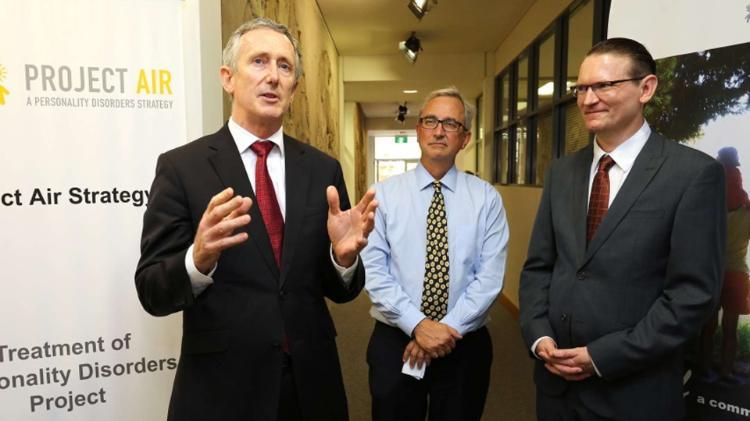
599,200
265,195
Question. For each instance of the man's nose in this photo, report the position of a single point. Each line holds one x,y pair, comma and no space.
439,129
273,73
590,97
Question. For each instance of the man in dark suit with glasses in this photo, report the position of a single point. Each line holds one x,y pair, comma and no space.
625,258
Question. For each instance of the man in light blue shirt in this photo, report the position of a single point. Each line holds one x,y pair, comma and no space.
435,264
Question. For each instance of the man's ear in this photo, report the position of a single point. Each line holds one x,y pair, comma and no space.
227,79
467,139
648,88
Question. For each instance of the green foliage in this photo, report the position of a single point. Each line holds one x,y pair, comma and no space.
699,87
743,337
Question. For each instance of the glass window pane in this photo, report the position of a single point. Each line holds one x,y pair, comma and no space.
520,155
389,168
505,102
397,147
543,145
523,81
502,158
546,83
576,133
580,38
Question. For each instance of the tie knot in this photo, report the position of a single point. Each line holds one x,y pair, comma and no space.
437,185
262,148
605,163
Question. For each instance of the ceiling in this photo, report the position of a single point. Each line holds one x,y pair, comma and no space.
455,36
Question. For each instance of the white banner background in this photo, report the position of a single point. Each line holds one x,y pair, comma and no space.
68,268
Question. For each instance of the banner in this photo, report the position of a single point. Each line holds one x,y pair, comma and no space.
703,100
91,91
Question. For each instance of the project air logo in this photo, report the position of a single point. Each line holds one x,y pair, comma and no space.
3,90
100,87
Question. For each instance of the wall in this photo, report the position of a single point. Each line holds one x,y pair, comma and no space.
315,113
520,202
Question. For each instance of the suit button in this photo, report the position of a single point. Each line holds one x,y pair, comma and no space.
581,275
564,317
281,294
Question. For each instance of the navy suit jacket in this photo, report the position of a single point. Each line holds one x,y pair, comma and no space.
231,358
645,284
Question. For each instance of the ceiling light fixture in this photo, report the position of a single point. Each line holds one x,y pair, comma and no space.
411,47
410,91
421,7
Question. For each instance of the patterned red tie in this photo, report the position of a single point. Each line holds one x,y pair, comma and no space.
599,200
266,198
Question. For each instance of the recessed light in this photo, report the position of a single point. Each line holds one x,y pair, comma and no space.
410,91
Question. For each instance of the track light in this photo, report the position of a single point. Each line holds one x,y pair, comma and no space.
402,111
410,47
421,7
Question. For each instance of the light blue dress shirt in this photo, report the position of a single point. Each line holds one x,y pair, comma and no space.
395,255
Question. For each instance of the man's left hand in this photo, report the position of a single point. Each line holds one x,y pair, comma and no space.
572,364
348,230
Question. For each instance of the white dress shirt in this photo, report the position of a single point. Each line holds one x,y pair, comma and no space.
276,170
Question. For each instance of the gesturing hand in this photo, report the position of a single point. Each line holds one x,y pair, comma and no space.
223,215
348,230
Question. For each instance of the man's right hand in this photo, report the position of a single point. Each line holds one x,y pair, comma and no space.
560,363
438,339
224,214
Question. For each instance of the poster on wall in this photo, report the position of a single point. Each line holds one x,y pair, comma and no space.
90,92
703,100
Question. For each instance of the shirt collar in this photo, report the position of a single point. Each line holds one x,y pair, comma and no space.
624,155
424,179
243,138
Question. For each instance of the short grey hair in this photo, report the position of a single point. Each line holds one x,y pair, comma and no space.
453,92
229,55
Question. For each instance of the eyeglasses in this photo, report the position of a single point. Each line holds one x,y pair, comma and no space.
449,124
600,87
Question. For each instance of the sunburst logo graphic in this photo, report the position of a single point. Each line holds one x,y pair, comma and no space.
3,91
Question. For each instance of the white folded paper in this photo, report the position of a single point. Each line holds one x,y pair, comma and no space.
417,373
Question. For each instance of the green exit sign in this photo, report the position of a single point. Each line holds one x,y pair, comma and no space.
401,139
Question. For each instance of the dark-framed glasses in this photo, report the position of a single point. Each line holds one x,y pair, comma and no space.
600,87
449,124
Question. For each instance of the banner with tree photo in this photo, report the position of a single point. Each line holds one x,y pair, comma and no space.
703,100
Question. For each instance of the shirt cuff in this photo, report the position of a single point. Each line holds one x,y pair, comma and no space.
536,342
594,364
198,281
346,273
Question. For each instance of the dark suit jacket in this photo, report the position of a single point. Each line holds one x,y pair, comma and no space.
645,284
231,358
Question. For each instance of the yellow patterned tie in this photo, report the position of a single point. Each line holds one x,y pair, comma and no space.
436,279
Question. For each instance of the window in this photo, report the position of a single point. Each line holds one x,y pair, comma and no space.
395,155
537,120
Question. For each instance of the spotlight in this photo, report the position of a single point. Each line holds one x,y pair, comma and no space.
410,47
421,7
402,111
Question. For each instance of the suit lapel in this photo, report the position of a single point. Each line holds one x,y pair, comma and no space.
646,165
227,163
297,189
579,203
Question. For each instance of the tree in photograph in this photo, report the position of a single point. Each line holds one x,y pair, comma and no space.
699,87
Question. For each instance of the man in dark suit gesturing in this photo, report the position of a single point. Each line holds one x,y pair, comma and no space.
258,340
625,258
